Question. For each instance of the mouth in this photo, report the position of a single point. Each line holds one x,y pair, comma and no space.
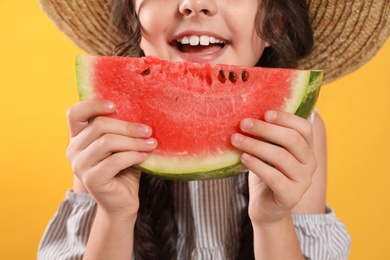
203,44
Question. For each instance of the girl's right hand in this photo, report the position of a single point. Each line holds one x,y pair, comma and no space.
102,149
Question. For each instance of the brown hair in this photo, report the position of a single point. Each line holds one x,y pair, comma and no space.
282,23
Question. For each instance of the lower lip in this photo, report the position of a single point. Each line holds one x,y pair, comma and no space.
200,57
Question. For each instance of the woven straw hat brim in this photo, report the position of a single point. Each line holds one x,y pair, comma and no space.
347,33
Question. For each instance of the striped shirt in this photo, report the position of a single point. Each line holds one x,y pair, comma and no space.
208,217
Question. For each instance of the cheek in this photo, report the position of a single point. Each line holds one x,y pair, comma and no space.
154,23
251,46
149,30
258,44
147,21
251,51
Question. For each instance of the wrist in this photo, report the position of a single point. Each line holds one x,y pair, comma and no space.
117,217
111,236
276,239
273,225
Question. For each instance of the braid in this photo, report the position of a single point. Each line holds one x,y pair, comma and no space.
155,234
246,250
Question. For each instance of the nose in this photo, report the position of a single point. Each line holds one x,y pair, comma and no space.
196,7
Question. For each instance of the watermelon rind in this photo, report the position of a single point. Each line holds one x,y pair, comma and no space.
302,101
214,166
84,77
220,173
312,92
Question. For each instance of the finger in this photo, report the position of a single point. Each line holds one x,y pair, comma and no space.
79,114
276,181
270,153
109,144
105,125
110,167
290,121
289,138
286,193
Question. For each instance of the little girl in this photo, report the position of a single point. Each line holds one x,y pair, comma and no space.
270,212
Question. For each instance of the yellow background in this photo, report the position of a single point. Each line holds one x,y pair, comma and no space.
37,85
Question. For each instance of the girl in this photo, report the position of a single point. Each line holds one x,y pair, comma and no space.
278,212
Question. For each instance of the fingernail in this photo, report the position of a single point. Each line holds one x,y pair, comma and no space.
238,138
270,115
150,141
144,129
247,123
109,105
246,157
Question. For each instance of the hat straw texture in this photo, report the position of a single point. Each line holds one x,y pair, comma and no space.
85,22
347,33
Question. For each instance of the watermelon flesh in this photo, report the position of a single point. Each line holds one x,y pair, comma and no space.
192,108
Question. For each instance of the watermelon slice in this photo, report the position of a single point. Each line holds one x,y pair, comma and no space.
193,109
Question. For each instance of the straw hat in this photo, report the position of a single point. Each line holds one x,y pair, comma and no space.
347,33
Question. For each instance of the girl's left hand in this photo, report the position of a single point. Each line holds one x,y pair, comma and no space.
279,154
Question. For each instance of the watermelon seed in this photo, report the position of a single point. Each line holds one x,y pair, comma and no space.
244,75
221,76
232,76
146,72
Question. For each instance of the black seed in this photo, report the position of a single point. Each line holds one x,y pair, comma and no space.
146,72
244,75
221,74
232,76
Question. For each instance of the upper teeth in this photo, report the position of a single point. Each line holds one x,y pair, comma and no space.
196,40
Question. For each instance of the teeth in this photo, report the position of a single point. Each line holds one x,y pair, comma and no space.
185,40
204,40
195,40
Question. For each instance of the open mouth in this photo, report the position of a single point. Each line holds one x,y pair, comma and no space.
199,44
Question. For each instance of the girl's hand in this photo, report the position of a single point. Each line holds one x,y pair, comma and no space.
280,156
102,149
